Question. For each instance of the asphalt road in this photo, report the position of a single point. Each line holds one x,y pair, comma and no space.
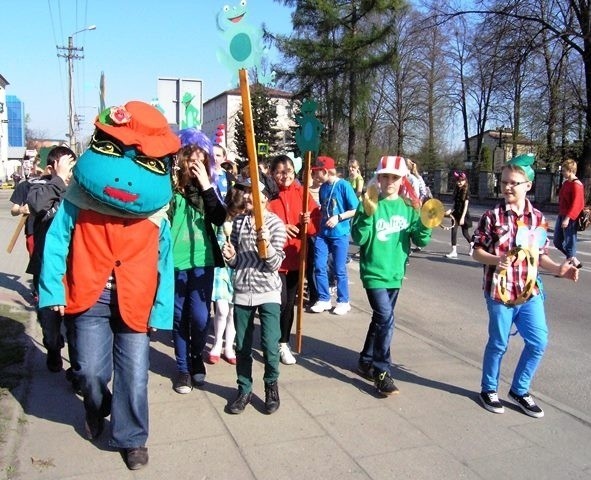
442,300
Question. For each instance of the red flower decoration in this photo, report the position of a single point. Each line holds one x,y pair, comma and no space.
119,116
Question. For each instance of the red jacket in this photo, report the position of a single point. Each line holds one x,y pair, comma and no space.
571,199
288,207
102,244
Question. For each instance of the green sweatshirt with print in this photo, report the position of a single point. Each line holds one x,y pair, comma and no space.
385,239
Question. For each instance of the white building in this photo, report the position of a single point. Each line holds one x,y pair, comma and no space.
223,108
3,128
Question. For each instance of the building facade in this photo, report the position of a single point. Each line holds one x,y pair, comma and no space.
16,121
3,128
223,109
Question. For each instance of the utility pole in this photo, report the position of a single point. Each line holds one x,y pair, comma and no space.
71,54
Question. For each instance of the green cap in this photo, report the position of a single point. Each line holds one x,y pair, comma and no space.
524,161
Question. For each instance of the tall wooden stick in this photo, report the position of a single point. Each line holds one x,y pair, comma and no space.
303,253
17,232
253,166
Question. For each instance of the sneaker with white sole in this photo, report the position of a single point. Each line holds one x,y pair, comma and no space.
285,354
182,383
527,404
321,306
452,255
490,401
342,308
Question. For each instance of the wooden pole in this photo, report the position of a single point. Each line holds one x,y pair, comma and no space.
17,232
253,166
303,253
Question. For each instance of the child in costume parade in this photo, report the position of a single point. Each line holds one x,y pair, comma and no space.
257,287
383,227
108,266
196,206
511,242
288,207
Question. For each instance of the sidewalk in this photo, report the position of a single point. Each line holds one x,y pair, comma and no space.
331,425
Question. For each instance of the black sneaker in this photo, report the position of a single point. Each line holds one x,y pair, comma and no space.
365,369
93,426
136,458
54,361
198,371
385,383
182,383
527,404
239,404
271,398
490,401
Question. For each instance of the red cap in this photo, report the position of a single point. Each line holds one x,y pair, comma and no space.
323,163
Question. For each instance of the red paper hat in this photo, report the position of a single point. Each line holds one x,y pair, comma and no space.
392,165
141,125
323,163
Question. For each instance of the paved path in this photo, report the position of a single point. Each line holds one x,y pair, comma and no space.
331,424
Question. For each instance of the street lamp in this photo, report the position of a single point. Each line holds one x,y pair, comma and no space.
70,56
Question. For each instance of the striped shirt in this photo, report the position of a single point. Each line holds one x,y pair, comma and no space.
256,280
496,233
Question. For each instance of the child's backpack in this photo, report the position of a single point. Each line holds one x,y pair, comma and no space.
584,219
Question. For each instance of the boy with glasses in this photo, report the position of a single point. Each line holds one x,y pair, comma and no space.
511,241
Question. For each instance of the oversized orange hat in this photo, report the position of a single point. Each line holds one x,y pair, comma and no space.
141,125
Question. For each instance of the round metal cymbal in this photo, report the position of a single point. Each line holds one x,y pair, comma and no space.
432,213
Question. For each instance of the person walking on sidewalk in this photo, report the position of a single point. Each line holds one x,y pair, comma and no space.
108,264
383,227
194,208
222,294
257,287
288,207
338,203
43,200
460,213
571,201
511,241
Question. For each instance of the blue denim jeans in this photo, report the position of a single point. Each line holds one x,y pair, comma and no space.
192,301
107,346
565,239
339,248
376,349
530,320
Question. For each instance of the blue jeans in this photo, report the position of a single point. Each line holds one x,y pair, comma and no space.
565,239
530,320
107,346
376,349
339,248
192,301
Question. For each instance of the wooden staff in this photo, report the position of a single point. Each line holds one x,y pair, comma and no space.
253,166
17,232
303,253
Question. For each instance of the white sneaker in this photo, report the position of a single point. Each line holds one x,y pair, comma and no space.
452,255
471,249
321,306
342,308
287,357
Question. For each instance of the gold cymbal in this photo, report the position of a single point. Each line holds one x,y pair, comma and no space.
432,213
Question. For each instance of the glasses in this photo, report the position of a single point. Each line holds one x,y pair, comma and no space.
285,173
513,184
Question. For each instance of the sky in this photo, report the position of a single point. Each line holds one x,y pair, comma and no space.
135,43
